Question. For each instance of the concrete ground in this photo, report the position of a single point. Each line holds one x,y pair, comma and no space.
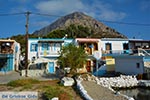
7,77
98,92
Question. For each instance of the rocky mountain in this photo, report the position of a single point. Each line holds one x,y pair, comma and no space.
78,18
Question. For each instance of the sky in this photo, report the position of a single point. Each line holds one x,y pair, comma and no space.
134,15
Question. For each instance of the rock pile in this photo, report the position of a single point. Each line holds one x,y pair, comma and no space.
118,82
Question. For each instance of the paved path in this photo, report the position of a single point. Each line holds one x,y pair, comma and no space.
98,92
7,77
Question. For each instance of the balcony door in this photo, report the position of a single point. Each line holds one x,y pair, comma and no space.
108,47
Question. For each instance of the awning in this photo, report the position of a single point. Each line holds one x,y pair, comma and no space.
42,60
89,40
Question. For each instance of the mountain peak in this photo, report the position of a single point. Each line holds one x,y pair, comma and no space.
79,18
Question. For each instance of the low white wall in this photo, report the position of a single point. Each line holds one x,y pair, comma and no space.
83,91
33,73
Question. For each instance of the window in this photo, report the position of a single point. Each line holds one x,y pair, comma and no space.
33,47
137,65
45,46
58,46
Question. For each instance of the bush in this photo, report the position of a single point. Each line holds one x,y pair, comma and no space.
51,92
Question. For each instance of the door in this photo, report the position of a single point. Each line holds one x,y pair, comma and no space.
88,66
51,67
108,48
125,47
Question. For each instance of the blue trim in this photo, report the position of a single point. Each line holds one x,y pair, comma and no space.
9,66
48,39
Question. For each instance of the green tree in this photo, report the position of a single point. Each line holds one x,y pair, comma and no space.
73,57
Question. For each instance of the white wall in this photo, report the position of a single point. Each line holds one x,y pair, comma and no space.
116,44
128,65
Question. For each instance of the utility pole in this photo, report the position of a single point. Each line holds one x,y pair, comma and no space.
26,52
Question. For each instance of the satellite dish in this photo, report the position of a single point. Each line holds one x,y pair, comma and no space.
7,44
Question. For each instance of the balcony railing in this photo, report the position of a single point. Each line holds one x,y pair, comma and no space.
48,53
6,51
143,52
116,52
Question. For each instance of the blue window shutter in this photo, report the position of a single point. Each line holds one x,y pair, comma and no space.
36,47
42,46
31,47
48,46
54,46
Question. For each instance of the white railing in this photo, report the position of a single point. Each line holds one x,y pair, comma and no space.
116,51
48,53
143,52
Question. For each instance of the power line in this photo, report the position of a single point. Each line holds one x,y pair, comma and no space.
46,14
137,24
11,14
42,14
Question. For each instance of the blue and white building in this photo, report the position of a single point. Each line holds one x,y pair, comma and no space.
47,50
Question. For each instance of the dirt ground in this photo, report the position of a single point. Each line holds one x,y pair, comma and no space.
38,87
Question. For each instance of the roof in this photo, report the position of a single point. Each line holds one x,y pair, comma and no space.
128,57
87,40
42,60
114,39
138,40
51,41
2,40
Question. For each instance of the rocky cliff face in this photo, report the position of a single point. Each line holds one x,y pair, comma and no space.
79,18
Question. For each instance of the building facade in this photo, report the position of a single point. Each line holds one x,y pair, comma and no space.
9,55
129,65
93,49
115,46
48,49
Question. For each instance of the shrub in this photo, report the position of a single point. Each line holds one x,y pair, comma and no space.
51,92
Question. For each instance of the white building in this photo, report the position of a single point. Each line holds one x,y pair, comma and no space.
115,46
130,65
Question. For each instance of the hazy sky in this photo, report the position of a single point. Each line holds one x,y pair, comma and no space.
127,11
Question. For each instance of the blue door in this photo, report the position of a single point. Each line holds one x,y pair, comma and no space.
51,67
